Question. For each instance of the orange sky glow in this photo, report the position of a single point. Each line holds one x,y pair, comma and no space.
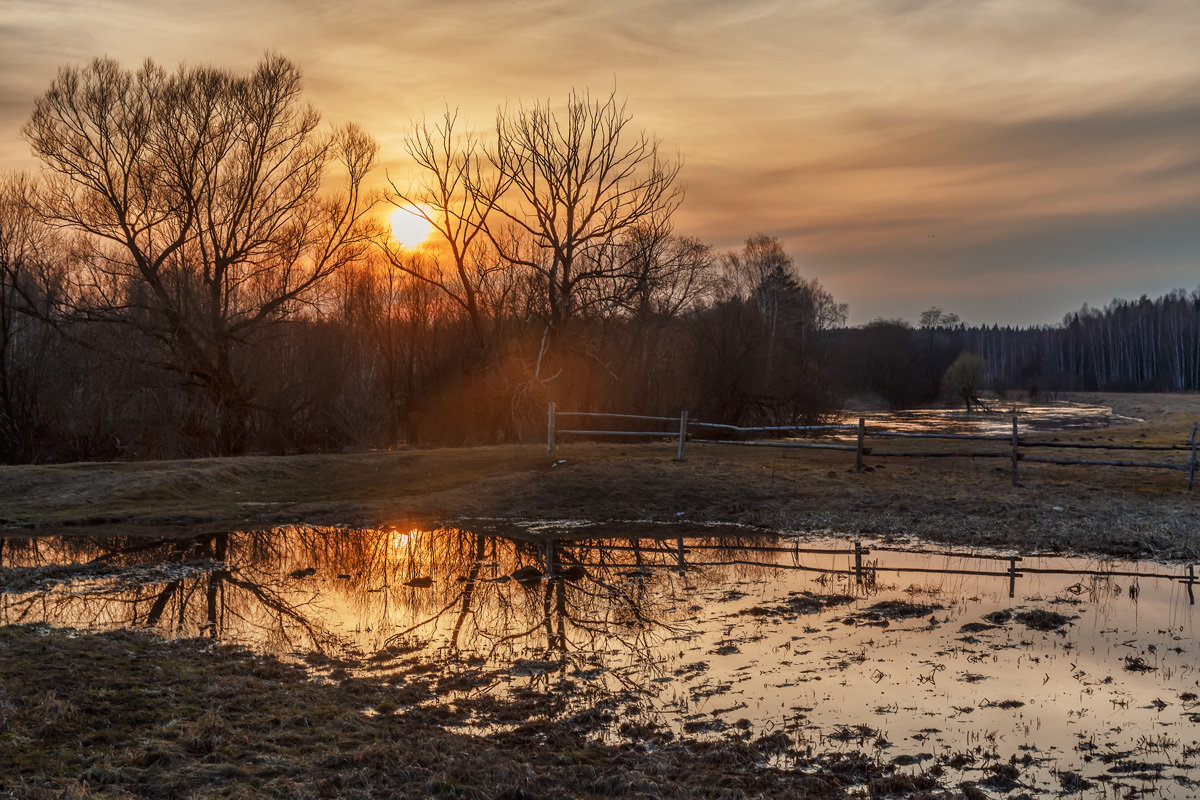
1007,161
408,227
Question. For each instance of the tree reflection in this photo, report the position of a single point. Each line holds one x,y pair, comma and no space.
222,585
346,592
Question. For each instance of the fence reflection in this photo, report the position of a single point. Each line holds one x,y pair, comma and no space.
468,593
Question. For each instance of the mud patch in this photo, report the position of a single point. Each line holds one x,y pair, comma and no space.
884,613
1040,619
798,604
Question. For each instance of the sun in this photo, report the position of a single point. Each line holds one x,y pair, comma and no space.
409,228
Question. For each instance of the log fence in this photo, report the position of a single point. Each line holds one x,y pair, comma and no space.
1013,446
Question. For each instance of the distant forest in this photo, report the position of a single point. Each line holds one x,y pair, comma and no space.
198,270
1141,345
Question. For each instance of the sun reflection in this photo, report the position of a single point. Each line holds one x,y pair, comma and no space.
403,539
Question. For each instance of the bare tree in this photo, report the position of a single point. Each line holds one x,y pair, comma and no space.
572,185
198,197
452,194
659,273
936,317
29,280
657,279
964,379
788,306
16,246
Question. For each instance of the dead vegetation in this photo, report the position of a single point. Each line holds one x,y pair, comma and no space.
123,714
1099,510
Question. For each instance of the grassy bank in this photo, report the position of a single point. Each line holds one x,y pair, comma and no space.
1132,512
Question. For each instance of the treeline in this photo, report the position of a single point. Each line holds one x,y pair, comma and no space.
199,269
1128,346
385,360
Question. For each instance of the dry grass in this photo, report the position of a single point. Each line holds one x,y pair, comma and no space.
1163,411
123,714
252,488
952,500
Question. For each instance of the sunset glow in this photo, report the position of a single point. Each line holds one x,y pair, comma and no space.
543,283
403,539
409,228
907,153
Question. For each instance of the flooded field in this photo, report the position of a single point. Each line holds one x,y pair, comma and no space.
997,421
1041,674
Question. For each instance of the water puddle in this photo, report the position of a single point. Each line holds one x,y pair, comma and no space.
997,421
1042,674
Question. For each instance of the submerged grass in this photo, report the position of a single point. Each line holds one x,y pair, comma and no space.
124,714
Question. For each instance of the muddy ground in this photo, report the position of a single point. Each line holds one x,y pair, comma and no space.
124,714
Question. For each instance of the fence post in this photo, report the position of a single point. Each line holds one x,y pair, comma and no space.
1192,463
550,430
1015,454
858,576
862,424
682,434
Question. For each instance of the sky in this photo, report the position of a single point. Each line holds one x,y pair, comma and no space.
1006,160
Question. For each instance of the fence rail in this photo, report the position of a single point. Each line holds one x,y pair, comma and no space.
1014,442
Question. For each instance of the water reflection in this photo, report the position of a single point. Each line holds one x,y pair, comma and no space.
348,592
222,585
994,422
1071,664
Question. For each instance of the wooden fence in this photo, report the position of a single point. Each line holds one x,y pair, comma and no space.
1012,446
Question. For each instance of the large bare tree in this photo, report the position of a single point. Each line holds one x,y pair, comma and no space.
201,205
574,183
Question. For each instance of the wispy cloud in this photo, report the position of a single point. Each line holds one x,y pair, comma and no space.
910,151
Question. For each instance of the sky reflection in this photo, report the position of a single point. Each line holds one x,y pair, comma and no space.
908,655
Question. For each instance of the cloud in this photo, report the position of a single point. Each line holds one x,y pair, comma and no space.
940,140
1031,276
969,181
